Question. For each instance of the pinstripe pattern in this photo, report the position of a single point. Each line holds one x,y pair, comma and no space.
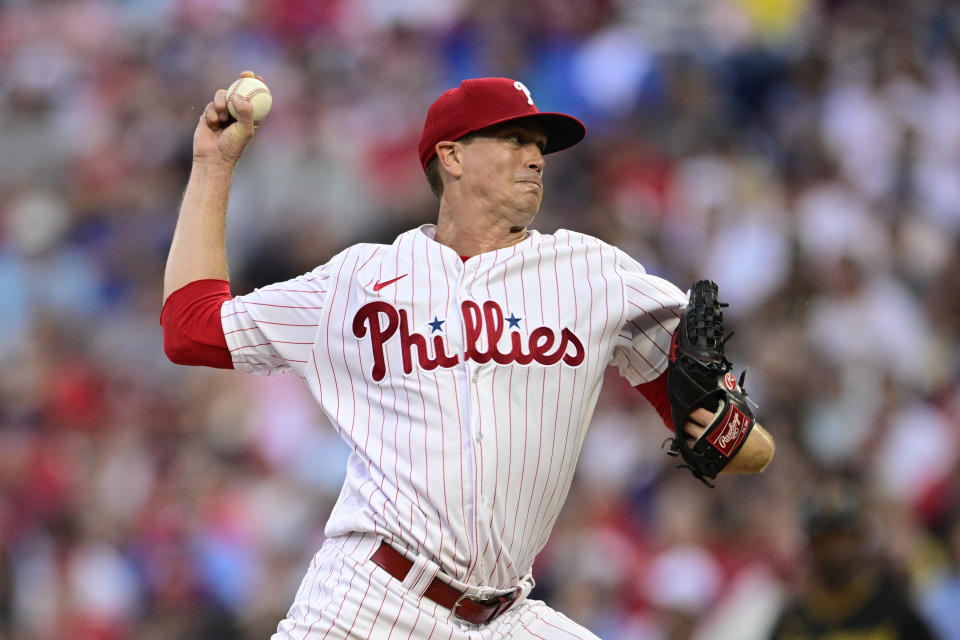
462,450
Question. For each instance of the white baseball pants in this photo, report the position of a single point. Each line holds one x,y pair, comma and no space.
345,596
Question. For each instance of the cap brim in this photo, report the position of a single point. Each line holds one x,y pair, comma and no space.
562,131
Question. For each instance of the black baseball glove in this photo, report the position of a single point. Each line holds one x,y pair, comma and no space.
699,376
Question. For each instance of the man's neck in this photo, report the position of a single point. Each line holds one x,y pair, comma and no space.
473,233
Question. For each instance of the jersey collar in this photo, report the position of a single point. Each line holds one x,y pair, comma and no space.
533,238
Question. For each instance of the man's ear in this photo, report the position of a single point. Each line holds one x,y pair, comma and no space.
450,158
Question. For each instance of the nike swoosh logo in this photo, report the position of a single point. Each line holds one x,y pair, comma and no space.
381,285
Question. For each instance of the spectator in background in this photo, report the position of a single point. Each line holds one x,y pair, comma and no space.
851,591
942,597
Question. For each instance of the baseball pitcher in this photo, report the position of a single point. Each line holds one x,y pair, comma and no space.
461,364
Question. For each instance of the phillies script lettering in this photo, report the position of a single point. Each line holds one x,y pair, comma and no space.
384,322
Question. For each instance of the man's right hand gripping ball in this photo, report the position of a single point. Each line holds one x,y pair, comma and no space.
219,137
699,377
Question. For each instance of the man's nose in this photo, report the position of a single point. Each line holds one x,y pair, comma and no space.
536,161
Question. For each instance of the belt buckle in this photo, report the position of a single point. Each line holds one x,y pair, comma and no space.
464,596
500,604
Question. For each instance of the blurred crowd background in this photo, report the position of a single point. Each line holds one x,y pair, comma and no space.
805,154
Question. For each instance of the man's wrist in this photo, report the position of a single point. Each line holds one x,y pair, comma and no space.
213,165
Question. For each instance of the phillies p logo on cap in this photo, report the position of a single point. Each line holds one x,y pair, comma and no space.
521,87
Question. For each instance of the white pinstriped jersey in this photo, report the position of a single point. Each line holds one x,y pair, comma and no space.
463,388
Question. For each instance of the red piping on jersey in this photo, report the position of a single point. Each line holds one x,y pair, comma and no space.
655,392
192,332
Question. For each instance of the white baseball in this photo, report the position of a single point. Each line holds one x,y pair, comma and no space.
253,91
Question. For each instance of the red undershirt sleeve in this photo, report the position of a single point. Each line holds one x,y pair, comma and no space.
655,392
192,331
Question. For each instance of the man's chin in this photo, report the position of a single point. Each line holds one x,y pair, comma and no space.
530,205
530,214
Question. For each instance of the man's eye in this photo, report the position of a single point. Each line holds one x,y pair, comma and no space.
514,138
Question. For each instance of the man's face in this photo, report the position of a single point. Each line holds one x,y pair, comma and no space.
503,167
839,553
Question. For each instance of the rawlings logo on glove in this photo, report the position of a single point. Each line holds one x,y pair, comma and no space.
731,433
699,376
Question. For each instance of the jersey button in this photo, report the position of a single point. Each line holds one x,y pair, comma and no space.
478,437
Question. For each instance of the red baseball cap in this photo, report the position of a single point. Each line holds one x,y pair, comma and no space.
483,102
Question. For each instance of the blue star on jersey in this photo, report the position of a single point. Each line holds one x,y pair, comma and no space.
514,321
436,325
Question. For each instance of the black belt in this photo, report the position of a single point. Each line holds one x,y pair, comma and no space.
463,606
